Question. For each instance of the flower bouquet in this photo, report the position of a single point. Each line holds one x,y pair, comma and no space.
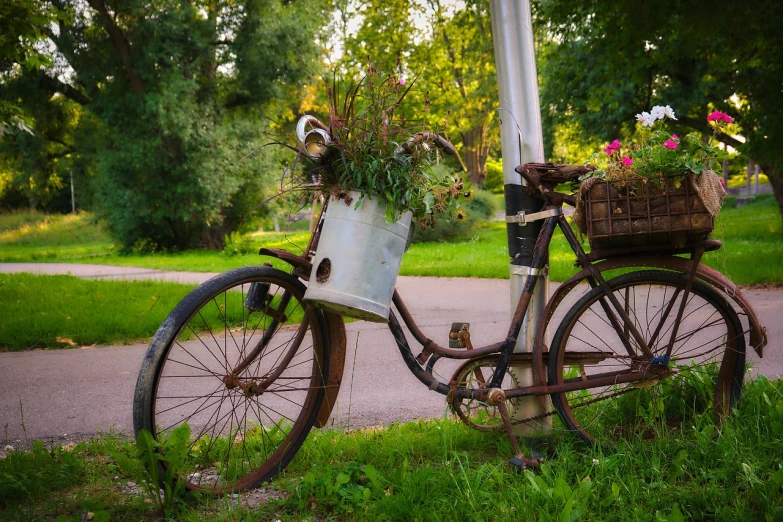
377,175
369,148
658,191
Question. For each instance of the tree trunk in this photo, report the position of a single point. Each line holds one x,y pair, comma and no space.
214,237
776,180
476,149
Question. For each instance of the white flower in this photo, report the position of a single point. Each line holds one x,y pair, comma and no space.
669,112
596,462
646,118
657,112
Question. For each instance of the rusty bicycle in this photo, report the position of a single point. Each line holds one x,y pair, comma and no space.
656,343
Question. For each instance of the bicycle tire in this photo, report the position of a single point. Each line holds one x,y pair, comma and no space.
703,378
244,431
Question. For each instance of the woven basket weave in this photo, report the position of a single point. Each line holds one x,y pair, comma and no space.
636,215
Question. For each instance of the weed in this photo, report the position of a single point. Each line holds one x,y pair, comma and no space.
158,466
26,476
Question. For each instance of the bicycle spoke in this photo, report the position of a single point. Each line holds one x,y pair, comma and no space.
707,360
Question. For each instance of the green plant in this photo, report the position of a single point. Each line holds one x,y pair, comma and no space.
480,210
375,152
158,466
30,475
658,154
494,181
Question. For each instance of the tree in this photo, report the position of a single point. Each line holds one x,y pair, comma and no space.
604,62
449,52
170,96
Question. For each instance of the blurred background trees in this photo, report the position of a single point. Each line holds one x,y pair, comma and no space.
147,107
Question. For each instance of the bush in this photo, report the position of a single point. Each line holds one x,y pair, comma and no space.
480,210
741,180
494,181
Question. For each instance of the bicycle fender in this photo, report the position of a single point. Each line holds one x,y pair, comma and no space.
336,331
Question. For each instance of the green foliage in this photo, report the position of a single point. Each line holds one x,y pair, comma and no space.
374,152
656,156
494,182
603,62
752,248
448,49
350,487
443,470
158,466
480,210
741,181
27,476
162,103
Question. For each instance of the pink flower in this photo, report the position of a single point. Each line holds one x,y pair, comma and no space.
669,144
723,183
612,147
401,81
675,137
719,116
627,161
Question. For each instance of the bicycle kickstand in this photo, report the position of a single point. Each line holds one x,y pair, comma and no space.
497,398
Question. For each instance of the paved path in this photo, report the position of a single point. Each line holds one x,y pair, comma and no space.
70,394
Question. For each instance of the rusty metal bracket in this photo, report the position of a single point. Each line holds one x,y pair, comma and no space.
426,351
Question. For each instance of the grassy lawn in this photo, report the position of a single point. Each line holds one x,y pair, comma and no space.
752,253
442,470
89,312
39,310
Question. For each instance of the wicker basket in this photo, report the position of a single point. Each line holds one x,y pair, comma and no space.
637,214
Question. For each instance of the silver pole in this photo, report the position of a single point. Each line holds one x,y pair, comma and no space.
756,186
73,198
521,142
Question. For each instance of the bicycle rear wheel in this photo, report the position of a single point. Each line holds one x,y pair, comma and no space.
700,381
244,362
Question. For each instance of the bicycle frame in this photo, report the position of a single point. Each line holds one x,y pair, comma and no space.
422,365
506,347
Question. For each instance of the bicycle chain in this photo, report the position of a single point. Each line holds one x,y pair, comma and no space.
540,416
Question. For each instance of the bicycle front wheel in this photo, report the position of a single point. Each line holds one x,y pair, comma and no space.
243,362
695,375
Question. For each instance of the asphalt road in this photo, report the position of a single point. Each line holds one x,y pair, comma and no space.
69,394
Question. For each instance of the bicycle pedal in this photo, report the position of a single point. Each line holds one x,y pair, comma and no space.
518,464
456,337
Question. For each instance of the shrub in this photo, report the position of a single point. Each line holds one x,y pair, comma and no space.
480,210
494,180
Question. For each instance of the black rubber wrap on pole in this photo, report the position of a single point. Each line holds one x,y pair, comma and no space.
521,239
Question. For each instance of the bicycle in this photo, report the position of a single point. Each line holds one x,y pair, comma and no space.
252,368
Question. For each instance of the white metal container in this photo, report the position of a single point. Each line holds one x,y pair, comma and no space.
358,259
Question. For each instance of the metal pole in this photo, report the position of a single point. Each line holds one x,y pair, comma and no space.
73,198
521,142
756,186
